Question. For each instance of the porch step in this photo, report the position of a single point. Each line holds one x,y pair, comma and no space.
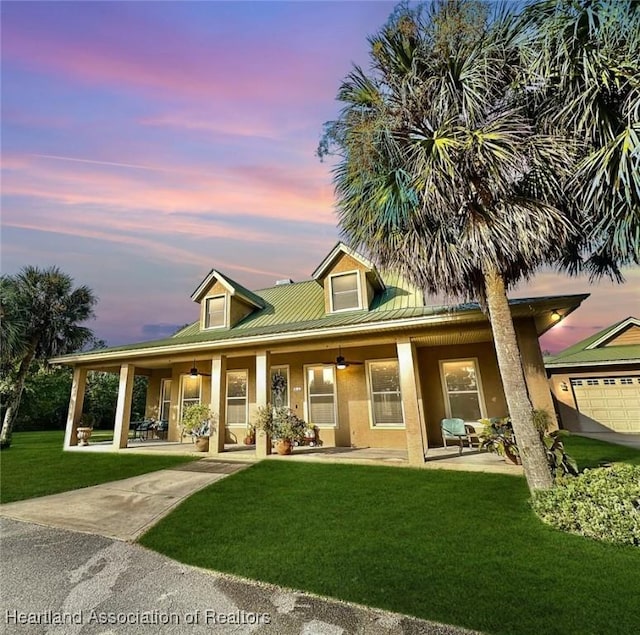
211,466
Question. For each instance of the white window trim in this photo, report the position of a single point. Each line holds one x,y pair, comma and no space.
383,426
337,275
335,396
182,380
206,313
282,367
164,397
246,399
447,403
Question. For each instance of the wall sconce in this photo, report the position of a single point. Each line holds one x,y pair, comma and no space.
555,316
564,387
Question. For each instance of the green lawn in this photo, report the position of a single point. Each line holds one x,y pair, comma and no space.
35,465
591,452
455,547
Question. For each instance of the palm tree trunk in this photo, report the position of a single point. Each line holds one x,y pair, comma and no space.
534,460
13,404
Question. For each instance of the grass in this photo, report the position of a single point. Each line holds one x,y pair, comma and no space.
455,547
35,465
592,452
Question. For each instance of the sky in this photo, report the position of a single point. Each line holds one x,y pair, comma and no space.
145,143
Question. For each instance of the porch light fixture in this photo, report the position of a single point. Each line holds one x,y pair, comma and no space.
555,316
341,363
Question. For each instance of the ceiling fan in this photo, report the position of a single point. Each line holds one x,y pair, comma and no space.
195,373
341,363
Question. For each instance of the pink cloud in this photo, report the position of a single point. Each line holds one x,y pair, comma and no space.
284,193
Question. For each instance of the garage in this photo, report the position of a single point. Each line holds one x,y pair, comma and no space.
613,402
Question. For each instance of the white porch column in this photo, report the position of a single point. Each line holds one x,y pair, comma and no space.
218,403
263,442
76,403
123,408
415,428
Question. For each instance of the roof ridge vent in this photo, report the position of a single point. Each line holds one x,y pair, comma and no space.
284,281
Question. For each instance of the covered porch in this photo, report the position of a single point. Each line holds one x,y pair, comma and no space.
376,396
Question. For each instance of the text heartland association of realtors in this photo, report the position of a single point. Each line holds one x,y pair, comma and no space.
155,617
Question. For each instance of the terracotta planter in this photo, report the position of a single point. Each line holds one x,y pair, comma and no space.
250,439
84,434
202,444
284,446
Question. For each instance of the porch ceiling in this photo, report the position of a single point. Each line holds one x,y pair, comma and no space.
469,335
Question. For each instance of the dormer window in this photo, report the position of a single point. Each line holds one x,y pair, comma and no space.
215,312
345,291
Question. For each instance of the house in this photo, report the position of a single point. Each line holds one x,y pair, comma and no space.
596,382
363,357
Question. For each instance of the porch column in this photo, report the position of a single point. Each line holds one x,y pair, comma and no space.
263,442
218,374
123,407
412,402
535,374
76,403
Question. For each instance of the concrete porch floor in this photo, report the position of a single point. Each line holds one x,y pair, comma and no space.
471,459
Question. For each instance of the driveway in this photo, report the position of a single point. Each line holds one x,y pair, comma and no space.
59,582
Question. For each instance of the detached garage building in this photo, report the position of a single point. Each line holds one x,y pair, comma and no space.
596,382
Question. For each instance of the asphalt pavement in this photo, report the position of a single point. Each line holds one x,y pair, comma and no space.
59,582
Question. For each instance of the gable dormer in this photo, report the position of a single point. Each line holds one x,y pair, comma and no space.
223,302
350,280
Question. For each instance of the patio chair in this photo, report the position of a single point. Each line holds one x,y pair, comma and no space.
162,428
455,429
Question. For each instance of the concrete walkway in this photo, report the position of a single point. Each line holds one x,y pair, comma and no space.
122,509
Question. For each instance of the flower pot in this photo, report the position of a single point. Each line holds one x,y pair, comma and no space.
284,446
84,434
202,444
511,458
250,439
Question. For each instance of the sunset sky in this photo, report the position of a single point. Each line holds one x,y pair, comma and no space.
144,143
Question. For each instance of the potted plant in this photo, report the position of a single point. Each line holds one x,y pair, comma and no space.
282,425
497,436
85,428
311,435
250,436
196,421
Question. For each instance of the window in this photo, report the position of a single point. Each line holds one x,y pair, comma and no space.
236,398
626,381
344,291
215,312
609,382
321,397
462,390
593,382
165,399
576,382
384,390
191,389
279,386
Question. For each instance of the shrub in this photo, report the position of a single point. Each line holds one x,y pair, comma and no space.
603,504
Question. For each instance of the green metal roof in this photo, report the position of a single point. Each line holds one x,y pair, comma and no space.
579,354
300,307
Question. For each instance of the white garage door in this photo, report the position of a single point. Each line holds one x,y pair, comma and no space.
613,402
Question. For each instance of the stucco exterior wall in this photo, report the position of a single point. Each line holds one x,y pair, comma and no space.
434,401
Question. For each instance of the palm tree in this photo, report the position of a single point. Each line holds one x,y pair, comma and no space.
41,312
445,176
585,55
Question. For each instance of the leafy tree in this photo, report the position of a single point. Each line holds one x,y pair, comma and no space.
584,57
41,316
446,176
